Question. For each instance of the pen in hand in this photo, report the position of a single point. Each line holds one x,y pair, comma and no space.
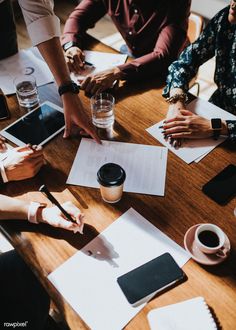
85,62
44,190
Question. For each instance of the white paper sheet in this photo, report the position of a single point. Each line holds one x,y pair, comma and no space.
24,62
192,150
101,61
88,279
145,165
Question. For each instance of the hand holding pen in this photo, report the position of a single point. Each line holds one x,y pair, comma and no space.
72,217
75,60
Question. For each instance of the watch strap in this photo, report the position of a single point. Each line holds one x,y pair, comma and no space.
67,87
216,127
32,211
70,44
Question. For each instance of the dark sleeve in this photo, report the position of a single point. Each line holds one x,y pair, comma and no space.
170,41
167,47
83,17
185,68
231,124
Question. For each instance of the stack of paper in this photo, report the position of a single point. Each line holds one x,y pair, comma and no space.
192,314
88,280
195,149
24,62
145,165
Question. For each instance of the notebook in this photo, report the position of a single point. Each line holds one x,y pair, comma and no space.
191,314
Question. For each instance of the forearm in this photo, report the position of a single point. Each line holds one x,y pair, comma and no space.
52,53
12,208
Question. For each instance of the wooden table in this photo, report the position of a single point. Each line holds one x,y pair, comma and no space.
138,106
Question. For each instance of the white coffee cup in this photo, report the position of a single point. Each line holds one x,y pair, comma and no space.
210,239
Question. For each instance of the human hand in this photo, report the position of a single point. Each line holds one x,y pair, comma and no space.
2,144
75,115
174,111
187,125
99,82
74,57
23,162
54,217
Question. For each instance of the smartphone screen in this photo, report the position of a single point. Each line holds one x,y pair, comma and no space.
222,187
4,112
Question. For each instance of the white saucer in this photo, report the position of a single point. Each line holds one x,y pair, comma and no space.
199,256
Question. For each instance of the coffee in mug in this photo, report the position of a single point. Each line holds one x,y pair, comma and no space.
210,239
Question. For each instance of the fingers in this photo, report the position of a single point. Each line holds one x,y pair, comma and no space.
67,130
74,211
86,84
2,144
75,59
90,130
54,217
181,135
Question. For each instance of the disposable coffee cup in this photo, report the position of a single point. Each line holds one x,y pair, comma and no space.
210,239
111,179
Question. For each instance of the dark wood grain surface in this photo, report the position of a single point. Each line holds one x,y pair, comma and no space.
138,106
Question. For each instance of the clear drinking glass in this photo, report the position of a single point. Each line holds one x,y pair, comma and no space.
26,91
102,106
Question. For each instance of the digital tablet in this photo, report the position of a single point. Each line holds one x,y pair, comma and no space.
36,127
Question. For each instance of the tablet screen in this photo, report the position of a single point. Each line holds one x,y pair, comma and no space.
37,126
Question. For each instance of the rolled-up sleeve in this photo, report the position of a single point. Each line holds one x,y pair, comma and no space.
42,24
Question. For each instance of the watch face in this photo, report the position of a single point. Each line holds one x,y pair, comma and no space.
216,123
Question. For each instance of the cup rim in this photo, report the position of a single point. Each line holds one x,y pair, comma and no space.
96,97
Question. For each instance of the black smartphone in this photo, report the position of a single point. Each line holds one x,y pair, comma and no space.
4,111
150,278
222,187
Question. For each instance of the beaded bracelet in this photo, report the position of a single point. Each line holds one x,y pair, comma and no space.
177,97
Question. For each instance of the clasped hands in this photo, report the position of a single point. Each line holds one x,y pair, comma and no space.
185,125
92,84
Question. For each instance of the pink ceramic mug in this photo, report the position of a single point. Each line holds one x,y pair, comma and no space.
210,239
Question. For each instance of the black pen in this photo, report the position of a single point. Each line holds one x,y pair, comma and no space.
44,190
88,63
85,62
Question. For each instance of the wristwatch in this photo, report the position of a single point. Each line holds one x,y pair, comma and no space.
216,125
70,86
70,44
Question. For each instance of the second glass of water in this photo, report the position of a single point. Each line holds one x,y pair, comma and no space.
26,91
102,106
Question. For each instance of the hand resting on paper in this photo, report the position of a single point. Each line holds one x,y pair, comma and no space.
101,81
187,125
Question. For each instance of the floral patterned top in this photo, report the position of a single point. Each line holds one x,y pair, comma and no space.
218,39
